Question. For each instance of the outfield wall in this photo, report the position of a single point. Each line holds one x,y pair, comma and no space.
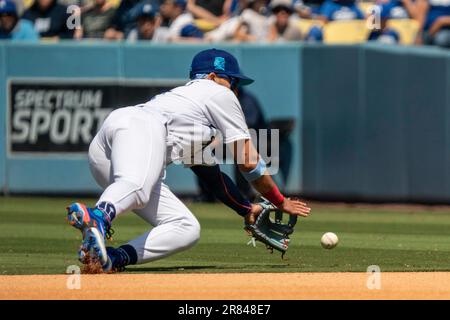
376,123
372,122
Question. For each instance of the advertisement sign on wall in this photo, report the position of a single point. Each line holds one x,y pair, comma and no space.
63,117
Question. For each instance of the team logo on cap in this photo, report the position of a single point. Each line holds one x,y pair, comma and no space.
219,63
147,8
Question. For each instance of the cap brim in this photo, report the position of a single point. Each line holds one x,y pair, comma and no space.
243,80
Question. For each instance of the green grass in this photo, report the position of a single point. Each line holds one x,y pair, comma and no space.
34,239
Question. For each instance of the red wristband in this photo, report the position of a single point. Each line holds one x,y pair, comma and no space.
274,196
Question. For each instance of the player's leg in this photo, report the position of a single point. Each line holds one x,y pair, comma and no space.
87,219
175,229
100,162
126,157
137,153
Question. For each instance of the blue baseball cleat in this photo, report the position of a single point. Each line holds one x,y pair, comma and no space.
95,227
117,260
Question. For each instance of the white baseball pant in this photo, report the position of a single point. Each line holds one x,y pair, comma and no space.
127,159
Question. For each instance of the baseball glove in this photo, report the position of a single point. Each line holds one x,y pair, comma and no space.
273,233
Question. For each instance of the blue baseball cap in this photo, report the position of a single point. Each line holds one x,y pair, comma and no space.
8,7
191,31
181,3
146,10
219,62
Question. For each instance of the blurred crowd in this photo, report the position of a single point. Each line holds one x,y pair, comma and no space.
216,20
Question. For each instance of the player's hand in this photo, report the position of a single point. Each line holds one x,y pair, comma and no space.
256,209
295,207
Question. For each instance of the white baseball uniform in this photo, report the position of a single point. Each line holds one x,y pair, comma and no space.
129,154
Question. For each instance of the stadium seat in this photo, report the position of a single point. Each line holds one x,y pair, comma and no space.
204,25
306,24
27,3
407,28
115,3
353,31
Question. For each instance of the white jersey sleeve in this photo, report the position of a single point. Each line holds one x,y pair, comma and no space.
227,116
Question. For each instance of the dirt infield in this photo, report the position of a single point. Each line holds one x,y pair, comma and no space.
283,286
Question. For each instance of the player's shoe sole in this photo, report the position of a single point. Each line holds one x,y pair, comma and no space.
93,243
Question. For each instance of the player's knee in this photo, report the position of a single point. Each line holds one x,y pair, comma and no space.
196,231
192,231
142,197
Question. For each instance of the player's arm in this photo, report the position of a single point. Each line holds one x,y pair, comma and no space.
227,116
224,189
255,171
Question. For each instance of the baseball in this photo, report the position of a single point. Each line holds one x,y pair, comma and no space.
329,240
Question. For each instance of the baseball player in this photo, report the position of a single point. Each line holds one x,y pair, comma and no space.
129,154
